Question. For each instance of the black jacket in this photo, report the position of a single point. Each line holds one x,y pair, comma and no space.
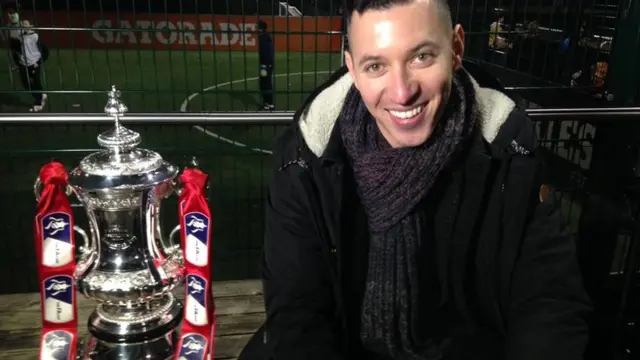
266,51
508,259
15,47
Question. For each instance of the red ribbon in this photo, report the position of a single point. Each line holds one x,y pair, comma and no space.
55,253
198,328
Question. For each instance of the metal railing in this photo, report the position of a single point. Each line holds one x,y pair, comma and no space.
286,117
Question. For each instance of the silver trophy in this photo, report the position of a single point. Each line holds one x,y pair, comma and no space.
126,265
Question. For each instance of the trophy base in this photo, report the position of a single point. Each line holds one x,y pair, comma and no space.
136,324
161,348
145,331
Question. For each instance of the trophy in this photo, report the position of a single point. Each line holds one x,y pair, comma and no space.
126,264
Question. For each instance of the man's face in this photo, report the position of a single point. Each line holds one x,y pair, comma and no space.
13,17
402,61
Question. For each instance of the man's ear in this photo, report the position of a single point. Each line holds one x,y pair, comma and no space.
457,46
348,60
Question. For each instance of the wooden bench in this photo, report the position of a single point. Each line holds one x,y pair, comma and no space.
239,311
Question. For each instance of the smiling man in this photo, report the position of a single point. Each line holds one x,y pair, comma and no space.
407,217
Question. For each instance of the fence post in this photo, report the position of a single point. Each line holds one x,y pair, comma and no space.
342,50
623,73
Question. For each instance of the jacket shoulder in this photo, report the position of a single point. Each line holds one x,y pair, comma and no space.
291,143
517,142
289,148
517,135
503,120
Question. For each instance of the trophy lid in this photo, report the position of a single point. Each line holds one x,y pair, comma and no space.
118,138
121,164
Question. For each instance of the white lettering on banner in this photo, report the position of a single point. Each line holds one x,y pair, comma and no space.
248,29
187,37
145,36
162,35
102,36
206,33
181,32
229,34
125,24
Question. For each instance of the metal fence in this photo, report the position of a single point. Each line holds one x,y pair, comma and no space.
173,56
234,150
186,67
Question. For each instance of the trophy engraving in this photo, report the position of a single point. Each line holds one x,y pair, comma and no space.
126,265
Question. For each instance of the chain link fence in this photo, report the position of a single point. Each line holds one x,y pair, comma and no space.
235,153
202,55
174,57
178,55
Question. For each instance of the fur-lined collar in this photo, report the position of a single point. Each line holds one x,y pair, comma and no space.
318,118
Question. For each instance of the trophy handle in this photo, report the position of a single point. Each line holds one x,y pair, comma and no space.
37,189
173,243
87,252
172,248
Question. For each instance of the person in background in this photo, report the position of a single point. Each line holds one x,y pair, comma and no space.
408,215
532,30
593,75
566,44
496,39
12,36
266,58
31,59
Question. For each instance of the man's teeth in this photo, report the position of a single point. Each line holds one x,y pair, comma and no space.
406,114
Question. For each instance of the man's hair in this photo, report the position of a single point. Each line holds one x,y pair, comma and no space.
361,6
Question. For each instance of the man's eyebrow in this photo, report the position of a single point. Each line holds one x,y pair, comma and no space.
422,45
425,44
368,58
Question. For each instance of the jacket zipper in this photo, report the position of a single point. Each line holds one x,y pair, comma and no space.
328,248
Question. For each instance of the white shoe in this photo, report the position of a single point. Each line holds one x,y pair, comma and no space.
39,108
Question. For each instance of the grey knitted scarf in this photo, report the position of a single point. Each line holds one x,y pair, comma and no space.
390,183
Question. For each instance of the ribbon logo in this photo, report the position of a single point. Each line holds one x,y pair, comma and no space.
57,345
196,300
193,347
57,246
58,303
197,251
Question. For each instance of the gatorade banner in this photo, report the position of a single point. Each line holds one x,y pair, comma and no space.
187,31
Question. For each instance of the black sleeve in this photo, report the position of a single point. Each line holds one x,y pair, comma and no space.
44,51
549,308
300,306
16,50
266,50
